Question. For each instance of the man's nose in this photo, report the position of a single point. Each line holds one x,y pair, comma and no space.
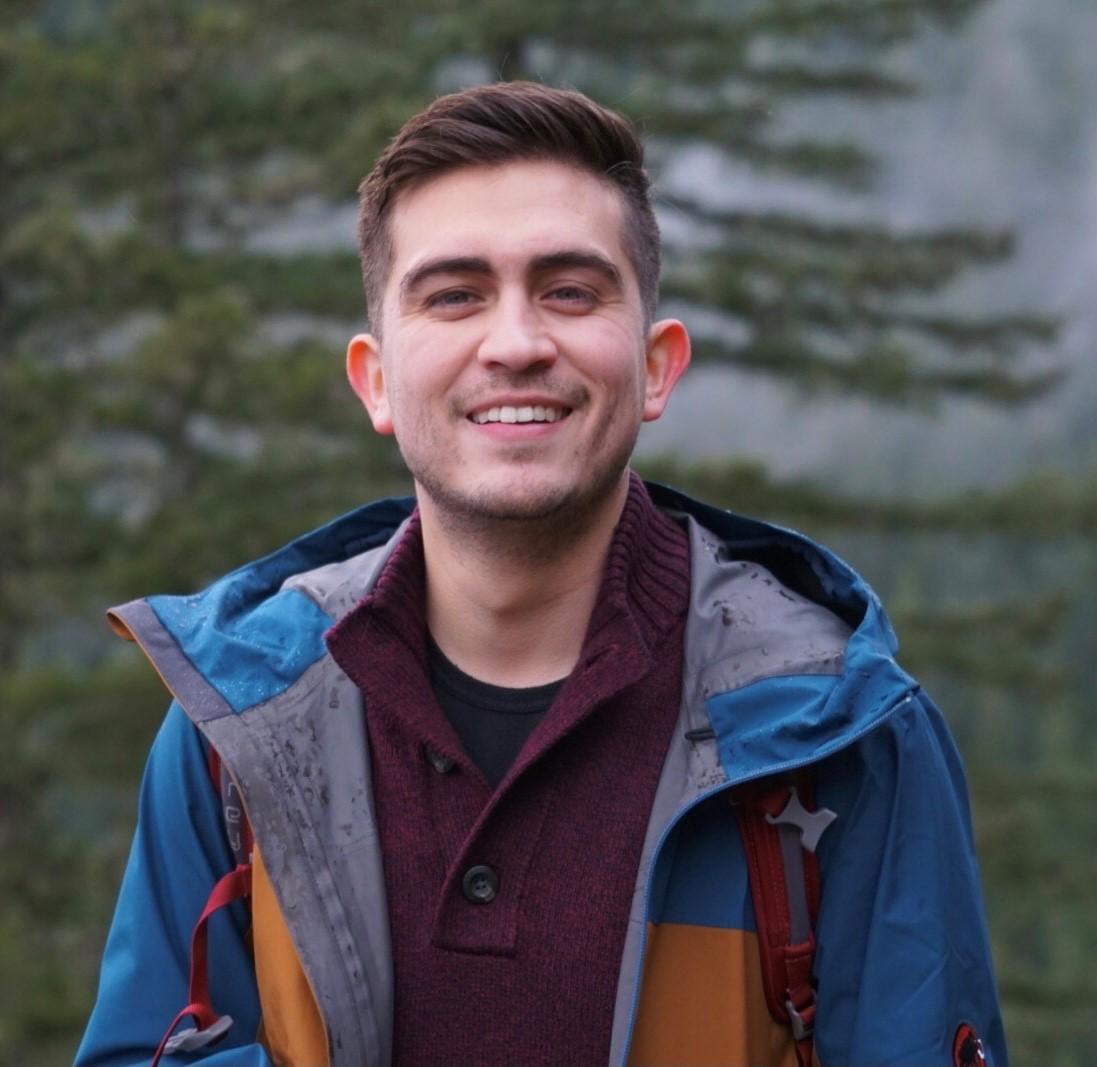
516,336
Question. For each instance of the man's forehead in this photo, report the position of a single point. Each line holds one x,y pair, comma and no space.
511,212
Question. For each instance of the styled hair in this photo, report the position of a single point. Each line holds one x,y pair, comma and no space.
501,123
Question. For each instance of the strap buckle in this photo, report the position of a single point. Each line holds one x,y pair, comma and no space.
192,1039
801,1028
810,824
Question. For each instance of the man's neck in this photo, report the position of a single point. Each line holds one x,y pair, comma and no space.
509,603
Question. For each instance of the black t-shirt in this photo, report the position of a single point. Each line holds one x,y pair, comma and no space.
492,721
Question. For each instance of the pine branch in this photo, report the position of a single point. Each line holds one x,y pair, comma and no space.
1044,506
887,371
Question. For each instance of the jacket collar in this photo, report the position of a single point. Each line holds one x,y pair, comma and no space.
766,603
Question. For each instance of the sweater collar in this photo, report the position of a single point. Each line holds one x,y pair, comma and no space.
643,591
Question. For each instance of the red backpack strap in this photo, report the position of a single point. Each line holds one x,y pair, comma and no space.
236,885
781,829
210,1026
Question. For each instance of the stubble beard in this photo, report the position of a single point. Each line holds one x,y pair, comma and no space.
533,526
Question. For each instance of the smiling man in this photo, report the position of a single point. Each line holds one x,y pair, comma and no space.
547,766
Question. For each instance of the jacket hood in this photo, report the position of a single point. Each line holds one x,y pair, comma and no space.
791,651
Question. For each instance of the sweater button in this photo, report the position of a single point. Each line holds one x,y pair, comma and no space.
439,761
480,885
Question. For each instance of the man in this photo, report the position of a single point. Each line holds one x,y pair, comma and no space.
487,746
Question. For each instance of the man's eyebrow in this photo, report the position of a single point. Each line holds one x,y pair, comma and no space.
573,258
580,259
443,265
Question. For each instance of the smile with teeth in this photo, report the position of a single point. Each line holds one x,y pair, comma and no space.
507,413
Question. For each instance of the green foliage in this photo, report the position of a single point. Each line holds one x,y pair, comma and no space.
1038,830
830,307
67,797
1045,505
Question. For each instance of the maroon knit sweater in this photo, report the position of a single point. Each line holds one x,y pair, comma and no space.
530,977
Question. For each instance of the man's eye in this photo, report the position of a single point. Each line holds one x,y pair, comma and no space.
573,294
451,298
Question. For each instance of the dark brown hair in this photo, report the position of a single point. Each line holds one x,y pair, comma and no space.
500,123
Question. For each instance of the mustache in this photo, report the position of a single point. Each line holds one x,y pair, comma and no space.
565,394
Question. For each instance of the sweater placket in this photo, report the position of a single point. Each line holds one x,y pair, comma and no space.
523,891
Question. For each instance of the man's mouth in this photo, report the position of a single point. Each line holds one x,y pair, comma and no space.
526,413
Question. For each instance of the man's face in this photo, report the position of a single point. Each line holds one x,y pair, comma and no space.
515,369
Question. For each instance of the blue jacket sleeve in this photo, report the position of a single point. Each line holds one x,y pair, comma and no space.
179,852
903,959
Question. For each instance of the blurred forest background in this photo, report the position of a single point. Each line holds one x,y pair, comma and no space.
880,218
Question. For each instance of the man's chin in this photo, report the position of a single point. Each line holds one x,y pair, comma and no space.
512,505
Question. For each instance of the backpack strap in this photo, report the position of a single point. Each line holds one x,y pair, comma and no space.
236,885
210,1027
781,829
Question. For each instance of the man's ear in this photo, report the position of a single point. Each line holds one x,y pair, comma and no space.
367,379
668,351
